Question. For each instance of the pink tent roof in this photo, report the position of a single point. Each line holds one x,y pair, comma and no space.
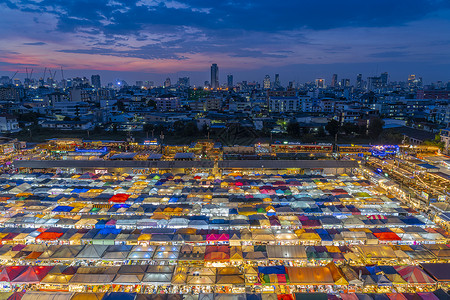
428,296
212,237
224,237
414,275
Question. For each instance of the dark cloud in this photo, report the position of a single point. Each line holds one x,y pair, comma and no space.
145,52
125,16
389,54
35,44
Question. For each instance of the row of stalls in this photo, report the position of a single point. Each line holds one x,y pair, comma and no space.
196,279
439,294
224,255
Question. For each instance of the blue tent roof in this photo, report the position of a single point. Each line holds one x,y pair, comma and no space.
272,270
63,208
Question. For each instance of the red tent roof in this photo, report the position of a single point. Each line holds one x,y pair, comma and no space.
49,236
119,198
9,273
387,236
33,274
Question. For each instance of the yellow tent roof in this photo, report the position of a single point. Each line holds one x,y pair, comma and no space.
309,236
144,237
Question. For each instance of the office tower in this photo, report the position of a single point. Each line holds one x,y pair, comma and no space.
277,83
334,80
214,76
345,82
266,83
230,81
384,78
95,81
359,81
167,82
139,83
320,83
373,83
184,82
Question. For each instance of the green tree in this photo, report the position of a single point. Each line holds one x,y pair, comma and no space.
293,129
151,103
349,128
178,127
332,127
321,132
120,106
375,128
190,129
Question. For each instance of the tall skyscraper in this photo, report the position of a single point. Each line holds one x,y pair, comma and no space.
359,82
345,82
277,83
214,76
266,83
320,83
167,82
334,80
230,81
95,81
184,82
384,78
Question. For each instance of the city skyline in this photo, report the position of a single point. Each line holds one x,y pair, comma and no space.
300,41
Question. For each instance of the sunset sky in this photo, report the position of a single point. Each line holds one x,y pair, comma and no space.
152,39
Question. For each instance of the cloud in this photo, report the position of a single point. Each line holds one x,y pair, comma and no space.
389,54
35,44
125,16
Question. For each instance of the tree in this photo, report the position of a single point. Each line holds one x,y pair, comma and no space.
321,132
151,103
178,127
120,106
308,138
148,127
332,127
190,129
293,129
375,128
349,128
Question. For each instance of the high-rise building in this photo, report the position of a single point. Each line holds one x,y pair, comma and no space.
167,82
320,83
230,81
384,78
334,80
214,76
95,81
359,83
345,82
374,83
184,82
414,81
266,83
277,83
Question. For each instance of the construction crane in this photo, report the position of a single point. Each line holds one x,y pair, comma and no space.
12,77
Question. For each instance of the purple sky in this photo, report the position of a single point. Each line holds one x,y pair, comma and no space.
153,39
